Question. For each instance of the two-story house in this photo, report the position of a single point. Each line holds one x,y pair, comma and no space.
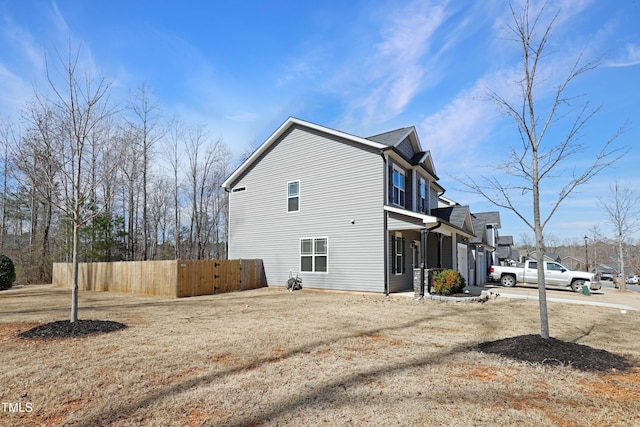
344,212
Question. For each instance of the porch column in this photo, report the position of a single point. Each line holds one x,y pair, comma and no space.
423,261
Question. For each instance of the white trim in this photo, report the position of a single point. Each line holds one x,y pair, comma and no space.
395,167
291,121
428,220
398,235
410,130
418,196
313,255
289,197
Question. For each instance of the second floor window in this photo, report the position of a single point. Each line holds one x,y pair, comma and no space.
422,195
293,196
398,187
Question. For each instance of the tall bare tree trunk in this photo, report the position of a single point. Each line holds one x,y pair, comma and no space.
534,114
74,274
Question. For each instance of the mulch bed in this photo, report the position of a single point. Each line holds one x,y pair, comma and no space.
535,349
67,329
526,348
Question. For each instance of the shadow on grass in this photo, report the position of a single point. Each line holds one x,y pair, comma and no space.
321,393
527,348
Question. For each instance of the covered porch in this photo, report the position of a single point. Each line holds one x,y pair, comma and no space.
419,245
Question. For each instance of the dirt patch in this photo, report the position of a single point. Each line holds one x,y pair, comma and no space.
67,329
535,349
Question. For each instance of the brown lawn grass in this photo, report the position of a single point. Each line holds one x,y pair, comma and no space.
270,357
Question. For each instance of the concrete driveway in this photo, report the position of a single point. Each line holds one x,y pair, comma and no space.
605,297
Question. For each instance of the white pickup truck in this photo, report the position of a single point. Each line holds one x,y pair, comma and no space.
554,275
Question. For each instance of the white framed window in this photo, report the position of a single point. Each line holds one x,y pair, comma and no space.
293,196
422,195
398,186
314,254
398,253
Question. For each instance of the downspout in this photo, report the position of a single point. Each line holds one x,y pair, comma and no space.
385,245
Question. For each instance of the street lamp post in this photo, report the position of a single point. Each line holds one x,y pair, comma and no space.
586,253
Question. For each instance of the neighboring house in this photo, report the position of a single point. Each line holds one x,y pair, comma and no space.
573,263
505,252
608,269
486,225
460,217
342,211
551,256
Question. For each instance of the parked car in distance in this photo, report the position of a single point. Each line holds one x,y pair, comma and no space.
555,275
632,279
607,277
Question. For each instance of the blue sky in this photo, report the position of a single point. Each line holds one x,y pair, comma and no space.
363,67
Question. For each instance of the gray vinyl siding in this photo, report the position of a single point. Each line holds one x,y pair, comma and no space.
340,181
433,198
402,282
397,222
447,252
406,149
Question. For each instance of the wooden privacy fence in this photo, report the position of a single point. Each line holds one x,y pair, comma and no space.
173,279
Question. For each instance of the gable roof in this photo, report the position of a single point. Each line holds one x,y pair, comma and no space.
480,228
458,215
384,141
489,217
392,138
505,240
292,121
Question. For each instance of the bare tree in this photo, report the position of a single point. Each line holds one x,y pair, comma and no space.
78,109
537,160
6,140
175,141
621,207
201,162
35,159
159,205
129,172
596,241
147,132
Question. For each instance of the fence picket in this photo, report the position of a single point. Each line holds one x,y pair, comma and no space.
173,279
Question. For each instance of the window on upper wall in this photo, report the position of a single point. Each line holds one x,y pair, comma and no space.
398,187
314,255
293,196
422,195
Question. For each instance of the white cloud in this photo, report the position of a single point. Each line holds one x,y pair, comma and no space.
397,68
14,92
382,79
25,43
467,121
631,56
